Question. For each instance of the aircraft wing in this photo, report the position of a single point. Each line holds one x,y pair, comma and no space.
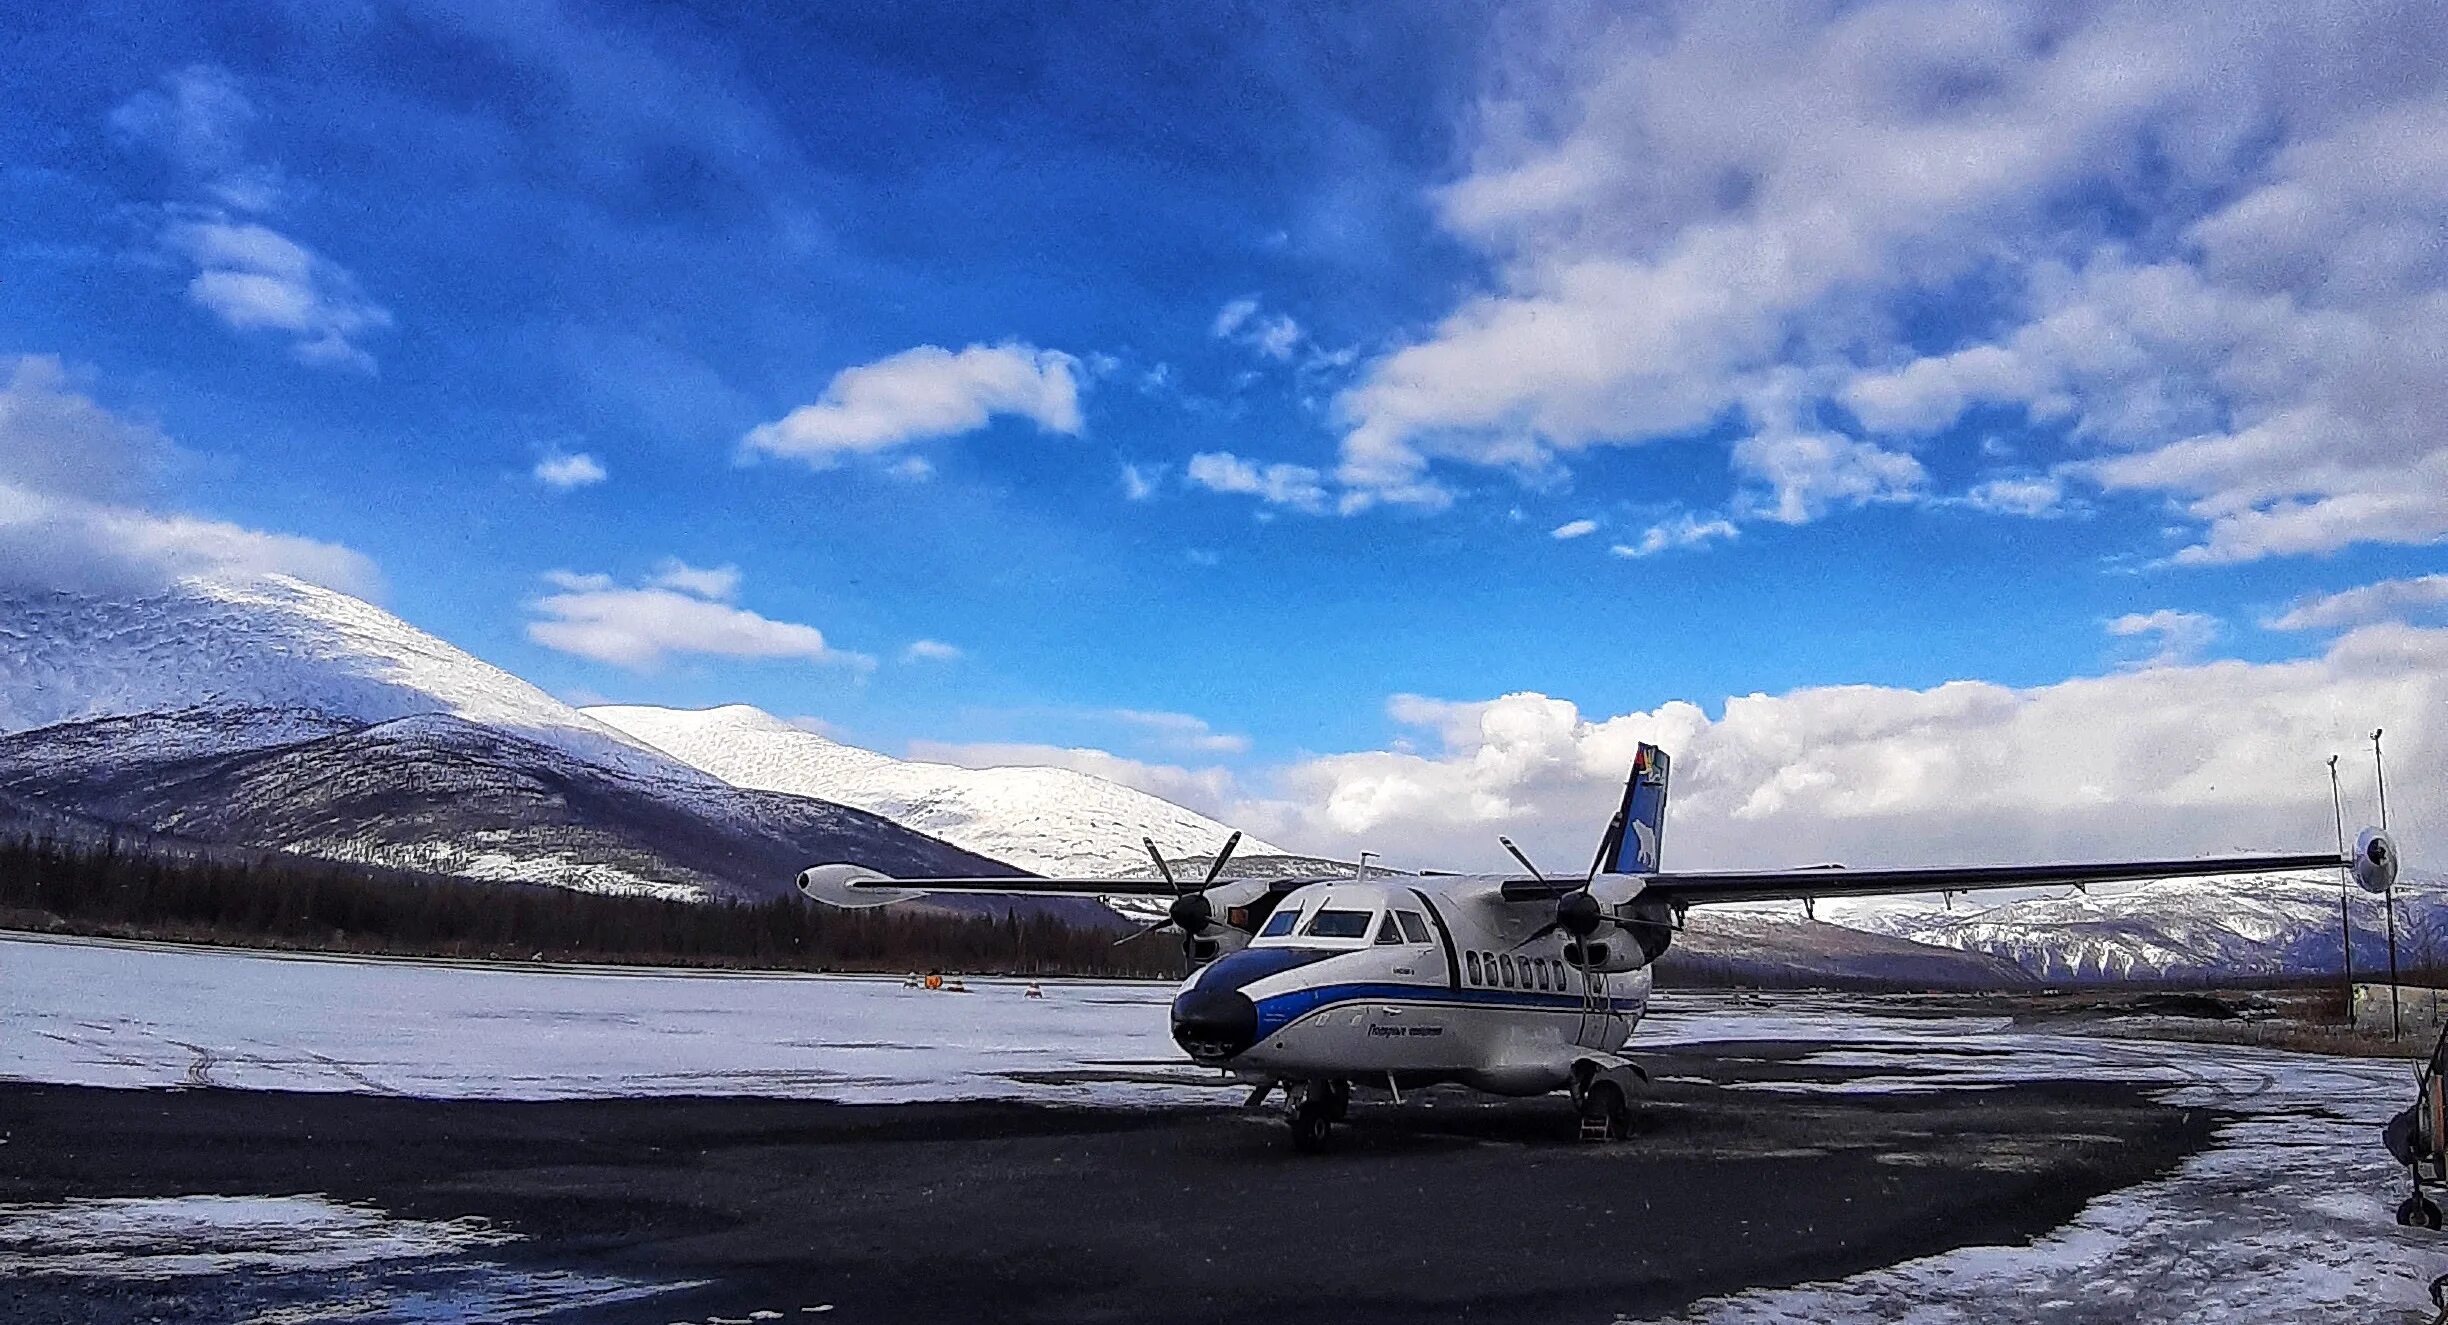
858,880
1836,881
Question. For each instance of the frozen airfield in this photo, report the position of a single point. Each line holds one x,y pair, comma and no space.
142,1177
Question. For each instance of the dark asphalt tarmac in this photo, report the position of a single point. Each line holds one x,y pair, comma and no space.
1443,1209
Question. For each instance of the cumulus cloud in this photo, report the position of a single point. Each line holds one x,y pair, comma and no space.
1683,531
2179,636
2174,760
2387,600
1573,529
924,393
1680,206
564,472
80,503
930,650
1297,486
680,610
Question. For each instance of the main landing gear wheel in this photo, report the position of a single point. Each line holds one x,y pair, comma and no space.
1605,1114
2418,1211
1320,1105
1311,1127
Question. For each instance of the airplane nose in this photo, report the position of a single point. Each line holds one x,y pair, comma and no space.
1214,1024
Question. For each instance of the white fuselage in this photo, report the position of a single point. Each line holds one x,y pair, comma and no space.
1407,980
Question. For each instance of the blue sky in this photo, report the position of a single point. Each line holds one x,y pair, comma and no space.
1809,317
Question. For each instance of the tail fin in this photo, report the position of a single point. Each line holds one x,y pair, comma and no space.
1643,826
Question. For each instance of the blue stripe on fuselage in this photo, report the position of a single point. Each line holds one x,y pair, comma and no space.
1277,1011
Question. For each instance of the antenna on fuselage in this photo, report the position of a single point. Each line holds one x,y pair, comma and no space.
1525,860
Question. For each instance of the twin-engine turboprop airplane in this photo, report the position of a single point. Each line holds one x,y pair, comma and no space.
1512,984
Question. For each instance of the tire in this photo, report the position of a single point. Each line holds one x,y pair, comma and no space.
1603,1102
1311,1129
2418,1211
1336,1100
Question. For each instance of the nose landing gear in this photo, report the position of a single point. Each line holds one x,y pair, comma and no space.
1314,1109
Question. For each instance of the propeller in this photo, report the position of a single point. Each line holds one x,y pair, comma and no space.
1577,912
1190,913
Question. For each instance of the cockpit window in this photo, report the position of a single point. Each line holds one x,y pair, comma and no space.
1414,928
1339,925
1389,933
1281,922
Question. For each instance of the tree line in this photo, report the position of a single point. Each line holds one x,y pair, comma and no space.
279,901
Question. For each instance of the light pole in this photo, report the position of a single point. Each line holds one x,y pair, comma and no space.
2337,810
2388,898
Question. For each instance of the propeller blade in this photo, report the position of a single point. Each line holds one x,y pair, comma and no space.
1507,843
1541,932
1161,868
1142,933
1221,857
1614,828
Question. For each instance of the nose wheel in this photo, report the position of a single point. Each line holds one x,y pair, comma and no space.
1315,1109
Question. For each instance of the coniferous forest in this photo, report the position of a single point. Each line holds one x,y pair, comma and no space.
289,902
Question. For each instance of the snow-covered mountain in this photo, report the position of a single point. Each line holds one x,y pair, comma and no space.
268,647
274,715
2222,926
442,795
1052,821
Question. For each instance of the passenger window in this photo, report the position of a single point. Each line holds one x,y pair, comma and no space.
1389,934
1281,922
1539,968
1474,968
1415,928
1505,964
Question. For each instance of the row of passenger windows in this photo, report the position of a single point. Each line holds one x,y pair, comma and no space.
1503,970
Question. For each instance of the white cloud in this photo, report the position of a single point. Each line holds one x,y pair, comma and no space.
79,508
681,610
1681,205
924,393
2387,600
1210,791
718,582
1805,474
198,117
1574,529
2181,636
1297,486
930,650
1274,335
254,278
1139,482
565,472
1180,731
2029,495
912,469
2173,760
1683,531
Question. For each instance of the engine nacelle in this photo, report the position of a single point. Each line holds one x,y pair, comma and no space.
2375,861
831,885
1632,930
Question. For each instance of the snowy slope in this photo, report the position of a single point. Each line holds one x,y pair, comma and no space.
1050,820
262,649
2221,925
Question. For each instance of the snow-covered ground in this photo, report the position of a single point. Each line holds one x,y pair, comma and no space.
148,1015
2286,1217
